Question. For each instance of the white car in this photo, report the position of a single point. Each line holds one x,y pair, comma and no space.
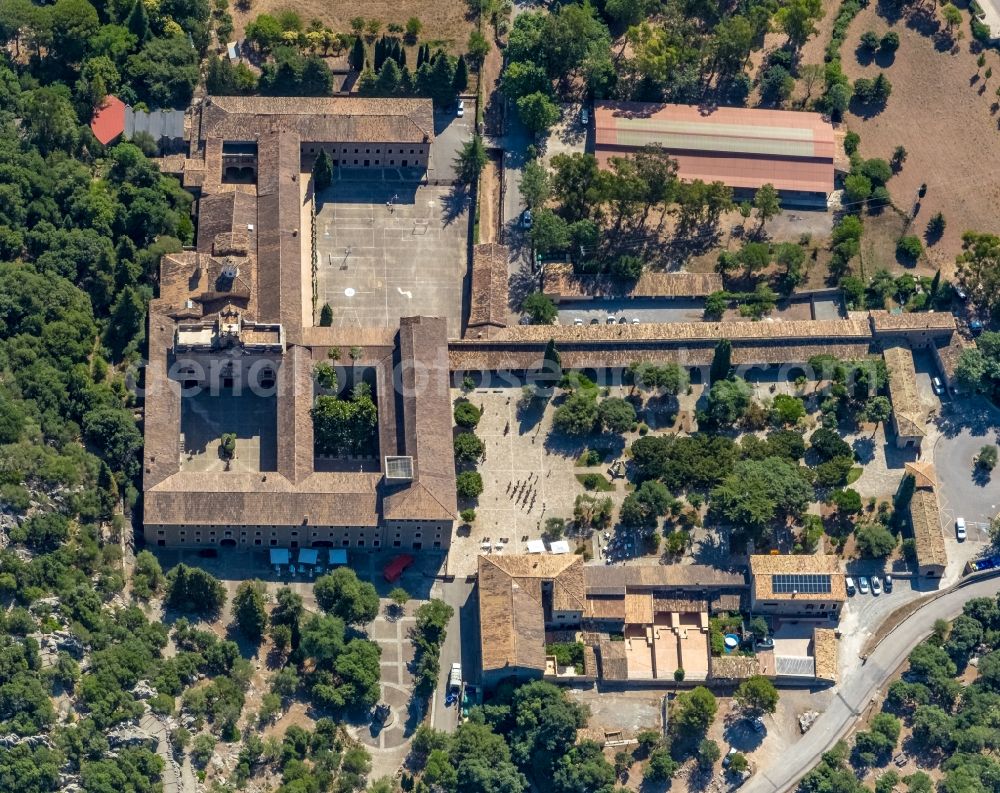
862,585
938,386
849,585
460,110
876,585
960,532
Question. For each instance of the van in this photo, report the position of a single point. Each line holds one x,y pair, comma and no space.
455,678
849,585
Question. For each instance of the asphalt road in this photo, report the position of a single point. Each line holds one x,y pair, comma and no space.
862,689
460,644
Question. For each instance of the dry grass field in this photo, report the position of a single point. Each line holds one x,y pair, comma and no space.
446,22
940,111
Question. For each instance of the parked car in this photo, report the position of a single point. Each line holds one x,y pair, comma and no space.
887,582
960,532
622,321
863,585
758,725
635,320
849,585
595,321
729,757
938,386
526,219
876,585
611,320
976,327
577,321
460,110
961,293
585,117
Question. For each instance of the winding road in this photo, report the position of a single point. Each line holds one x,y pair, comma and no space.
861,691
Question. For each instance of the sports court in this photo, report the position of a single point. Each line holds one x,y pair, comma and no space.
390,249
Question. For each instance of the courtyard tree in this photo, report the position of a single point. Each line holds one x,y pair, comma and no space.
708,753
550,233
539,308
469,484
467,415
787,409
326,316
322,171
468,447
875,540
766,201
249,612
728,401
986,460
641,508
194,590
535,187
756,492
538,113
343,595
578,414
722,361
756,696
693,712
471,160
616,415
357,57
877,410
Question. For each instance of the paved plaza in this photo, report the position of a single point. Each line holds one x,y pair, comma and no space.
528,477
206,417
390,249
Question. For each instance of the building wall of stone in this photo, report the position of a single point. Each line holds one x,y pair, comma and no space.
802,608
303,536
372,155
417,534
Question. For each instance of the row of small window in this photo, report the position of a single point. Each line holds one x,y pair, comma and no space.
312,150
417,545
808,606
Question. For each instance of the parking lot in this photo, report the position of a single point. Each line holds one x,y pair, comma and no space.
390,249
451,132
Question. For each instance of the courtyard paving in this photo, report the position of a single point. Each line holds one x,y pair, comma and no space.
389,249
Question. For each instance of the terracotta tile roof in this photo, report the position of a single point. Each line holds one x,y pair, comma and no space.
233,499
199,278
489,286
162,404
735,667
318,119
487,356
825,649
764,566
295,427
741,147
605,607
427,423
907,409
612,659
604,580
884,321
511,614
679,332
108,122
638,608
224,213
560,282
922,472
949,354
925,514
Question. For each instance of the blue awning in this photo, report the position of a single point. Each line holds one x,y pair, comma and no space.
338,556
279,556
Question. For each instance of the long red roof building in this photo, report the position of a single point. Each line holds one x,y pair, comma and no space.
744,148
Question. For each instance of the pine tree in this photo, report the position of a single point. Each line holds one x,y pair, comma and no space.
406,83
322,171
138,22
935,284
388,79
401,60
722,361
461,81
357,56
326,316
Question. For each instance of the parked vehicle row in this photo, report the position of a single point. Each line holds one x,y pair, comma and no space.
865,584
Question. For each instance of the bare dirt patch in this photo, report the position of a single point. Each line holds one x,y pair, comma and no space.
446,24
940,111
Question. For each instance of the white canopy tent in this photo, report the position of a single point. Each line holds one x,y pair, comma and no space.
536,546
559,546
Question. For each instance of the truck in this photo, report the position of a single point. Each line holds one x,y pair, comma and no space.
455,679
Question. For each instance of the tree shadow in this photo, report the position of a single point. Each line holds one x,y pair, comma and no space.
864,449
456,202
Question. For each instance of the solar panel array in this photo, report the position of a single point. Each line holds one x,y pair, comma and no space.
803,583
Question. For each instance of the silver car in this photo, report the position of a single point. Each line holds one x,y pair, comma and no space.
863,585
